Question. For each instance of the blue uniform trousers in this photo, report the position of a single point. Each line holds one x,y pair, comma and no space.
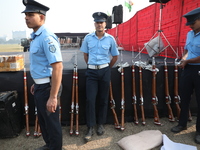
97,87
49,122
189,83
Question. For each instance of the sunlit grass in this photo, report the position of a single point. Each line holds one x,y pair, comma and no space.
189,130
95,144
11,48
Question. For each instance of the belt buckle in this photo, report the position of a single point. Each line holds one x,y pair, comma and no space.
98,67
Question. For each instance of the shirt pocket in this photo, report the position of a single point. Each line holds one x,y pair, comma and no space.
34,49
105,49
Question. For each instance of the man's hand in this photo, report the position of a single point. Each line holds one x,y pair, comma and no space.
182,64
52,105
32,89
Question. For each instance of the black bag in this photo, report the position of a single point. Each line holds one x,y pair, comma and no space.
10,114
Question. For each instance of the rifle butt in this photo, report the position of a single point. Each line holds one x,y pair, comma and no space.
77,125
116,122
170,113
156,116
178,110
38,130
27,124
36,126
122,121
71,122
136,121
143,116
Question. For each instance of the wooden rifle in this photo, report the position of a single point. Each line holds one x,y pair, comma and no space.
154,97
134,98
77,100
26,107
141,93
112,106
167,96
177,99
122,95
72,101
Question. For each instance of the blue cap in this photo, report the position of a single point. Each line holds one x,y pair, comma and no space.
192,16
99,17
33,6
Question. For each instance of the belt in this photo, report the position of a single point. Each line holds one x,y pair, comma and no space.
42,80
97,66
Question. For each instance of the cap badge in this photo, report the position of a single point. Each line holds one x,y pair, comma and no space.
99,14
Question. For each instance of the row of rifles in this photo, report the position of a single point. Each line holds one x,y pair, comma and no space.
75,100
154,97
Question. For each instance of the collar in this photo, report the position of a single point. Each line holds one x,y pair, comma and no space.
105,34
38,32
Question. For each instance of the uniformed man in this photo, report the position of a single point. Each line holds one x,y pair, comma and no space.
190,77
46,71
97,48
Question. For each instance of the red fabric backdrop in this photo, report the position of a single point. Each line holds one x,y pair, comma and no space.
144,25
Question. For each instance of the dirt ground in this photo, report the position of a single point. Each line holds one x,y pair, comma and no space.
108,141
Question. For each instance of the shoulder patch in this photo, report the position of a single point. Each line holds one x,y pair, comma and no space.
52,48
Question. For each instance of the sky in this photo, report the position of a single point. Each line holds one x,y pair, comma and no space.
64,15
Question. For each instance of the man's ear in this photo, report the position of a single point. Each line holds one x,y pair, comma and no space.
42,17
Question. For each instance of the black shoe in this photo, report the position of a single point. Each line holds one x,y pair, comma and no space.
178,129
89,134
100,130
197,138
43,148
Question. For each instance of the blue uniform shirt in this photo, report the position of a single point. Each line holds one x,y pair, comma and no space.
193,45
44,50
99,50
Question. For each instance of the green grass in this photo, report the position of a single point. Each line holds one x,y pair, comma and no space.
11,48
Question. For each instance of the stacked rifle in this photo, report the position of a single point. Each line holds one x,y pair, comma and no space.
74,101
134,98
37,131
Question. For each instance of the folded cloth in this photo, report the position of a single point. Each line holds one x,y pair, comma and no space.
144,140
170,145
